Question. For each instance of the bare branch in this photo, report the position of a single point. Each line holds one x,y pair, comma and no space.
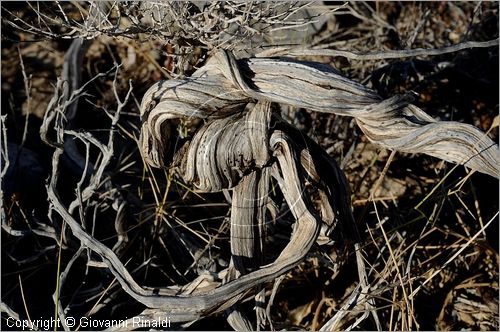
388,54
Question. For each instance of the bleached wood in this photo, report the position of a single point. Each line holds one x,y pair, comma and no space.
243,143
224,84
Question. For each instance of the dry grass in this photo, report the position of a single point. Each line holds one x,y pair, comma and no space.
428,258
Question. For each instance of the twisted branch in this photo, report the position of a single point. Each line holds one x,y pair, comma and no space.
223,84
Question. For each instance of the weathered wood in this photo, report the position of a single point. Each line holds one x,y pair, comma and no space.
224,84
183,306
243,143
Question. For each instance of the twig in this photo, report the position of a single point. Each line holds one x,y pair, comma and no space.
9,311
24,302
4,159
27,89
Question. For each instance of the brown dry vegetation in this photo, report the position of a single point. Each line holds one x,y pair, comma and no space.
429,229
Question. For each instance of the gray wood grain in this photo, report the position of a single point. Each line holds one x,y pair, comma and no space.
224,84
242,144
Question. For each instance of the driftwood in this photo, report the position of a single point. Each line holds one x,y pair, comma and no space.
242,144
224,84
184,308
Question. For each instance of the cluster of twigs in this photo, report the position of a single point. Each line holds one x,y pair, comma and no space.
185,26
116,226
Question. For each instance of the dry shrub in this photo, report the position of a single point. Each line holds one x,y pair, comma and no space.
429,230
